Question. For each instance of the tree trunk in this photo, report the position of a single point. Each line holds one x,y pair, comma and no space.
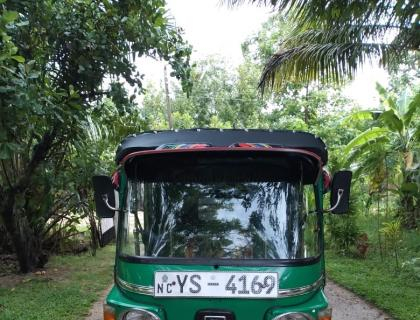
28,249
305,109
94,232
379,233
409,212
168,101
27,245
26,240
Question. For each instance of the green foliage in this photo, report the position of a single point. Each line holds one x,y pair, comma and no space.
392,233
56,61
364,138
388,150
412,268
331,42
343,230
376,282
219,98
225,98
261,47
392,230
376,277
67,290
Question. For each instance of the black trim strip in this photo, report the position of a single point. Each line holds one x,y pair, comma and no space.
222,262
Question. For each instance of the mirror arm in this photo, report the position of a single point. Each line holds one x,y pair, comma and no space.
339,195
105,198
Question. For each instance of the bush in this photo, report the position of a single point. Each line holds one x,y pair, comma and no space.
392,233
411,268
342,230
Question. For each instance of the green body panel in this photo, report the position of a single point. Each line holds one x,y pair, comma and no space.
185,308
244,309
290,277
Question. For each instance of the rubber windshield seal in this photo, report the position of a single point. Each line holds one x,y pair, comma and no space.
222,262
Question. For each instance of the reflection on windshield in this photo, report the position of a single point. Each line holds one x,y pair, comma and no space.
247,220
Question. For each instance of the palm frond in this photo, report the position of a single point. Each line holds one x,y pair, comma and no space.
389,12
327,54
334,38
327,62
317,33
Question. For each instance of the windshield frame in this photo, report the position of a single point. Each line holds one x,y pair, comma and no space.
216,262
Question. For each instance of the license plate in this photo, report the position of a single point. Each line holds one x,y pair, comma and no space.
216,284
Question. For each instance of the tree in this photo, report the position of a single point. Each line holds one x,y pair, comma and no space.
394,136
53,66
212,94
330,40
220,97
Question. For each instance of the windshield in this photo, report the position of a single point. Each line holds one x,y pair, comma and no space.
229,219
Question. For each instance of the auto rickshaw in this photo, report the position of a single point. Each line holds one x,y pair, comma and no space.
220,224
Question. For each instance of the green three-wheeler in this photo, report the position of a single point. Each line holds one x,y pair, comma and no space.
220,224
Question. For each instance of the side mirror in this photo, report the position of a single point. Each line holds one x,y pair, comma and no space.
104,196
340,192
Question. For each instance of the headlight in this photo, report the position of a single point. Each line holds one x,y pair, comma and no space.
140,315
325,314
294,316
109,312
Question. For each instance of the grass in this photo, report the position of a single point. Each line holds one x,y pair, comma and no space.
70,285
392,288
378,283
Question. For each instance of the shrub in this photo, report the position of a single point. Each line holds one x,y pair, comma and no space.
342,230
392,233
411,268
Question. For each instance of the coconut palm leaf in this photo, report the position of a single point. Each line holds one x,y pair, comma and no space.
340,10
333,39
318,52
327,62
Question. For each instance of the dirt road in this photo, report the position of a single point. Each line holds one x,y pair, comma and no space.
346,306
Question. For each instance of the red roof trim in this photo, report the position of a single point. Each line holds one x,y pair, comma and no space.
230,149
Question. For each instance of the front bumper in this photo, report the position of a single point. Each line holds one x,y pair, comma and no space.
244,309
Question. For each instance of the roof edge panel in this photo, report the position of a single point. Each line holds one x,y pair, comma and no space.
150,140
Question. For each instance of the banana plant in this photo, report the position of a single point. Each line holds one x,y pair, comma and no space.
391,145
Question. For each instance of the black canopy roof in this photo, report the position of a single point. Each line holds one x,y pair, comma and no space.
223,138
